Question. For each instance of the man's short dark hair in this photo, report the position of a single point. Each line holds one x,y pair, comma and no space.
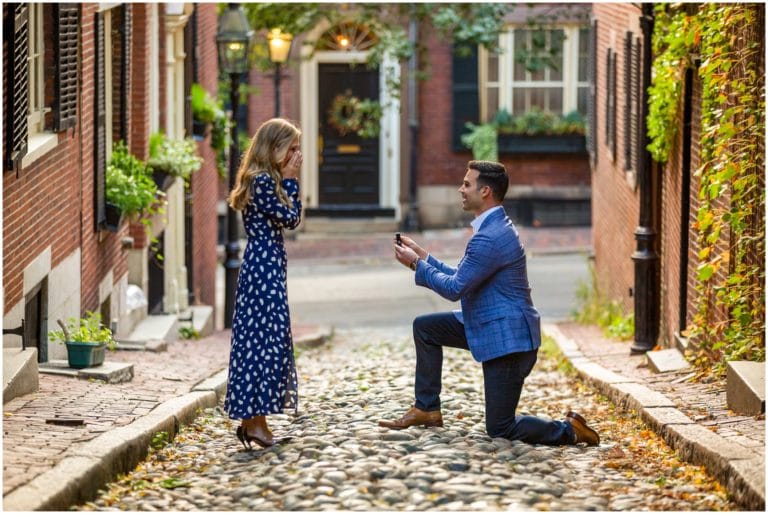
493,175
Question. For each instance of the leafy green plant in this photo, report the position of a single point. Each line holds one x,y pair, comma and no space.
189,333
729,320
177,157
129,183
593,308
539,122
482,140
203,105
88,329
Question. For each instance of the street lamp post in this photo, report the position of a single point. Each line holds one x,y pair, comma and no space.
233,38
279,48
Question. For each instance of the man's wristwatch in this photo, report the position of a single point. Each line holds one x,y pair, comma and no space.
414,263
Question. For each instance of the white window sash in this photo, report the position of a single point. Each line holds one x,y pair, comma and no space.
506,83
35,60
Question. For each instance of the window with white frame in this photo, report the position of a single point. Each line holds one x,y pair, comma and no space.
519,79
36,62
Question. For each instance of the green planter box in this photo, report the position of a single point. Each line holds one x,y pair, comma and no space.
85,354
567,143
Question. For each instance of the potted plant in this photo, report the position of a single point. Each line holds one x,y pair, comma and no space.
172,158
203,111
86,340
130,189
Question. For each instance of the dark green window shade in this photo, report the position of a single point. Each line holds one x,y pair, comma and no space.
65,84
610,102
466,100
592,98
100,128
632,102
16,38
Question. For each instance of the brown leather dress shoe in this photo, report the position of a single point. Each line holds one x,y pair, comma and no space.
415,417
583,432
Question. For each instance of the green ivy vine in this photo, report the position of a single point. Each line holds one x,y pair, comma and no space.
729,318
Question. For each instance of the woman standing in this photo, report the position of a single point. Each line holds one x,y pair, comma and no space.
262,372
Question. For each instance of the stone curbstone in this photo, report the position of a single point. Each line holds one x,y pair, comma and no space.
80,475
216,383
736,467
316,338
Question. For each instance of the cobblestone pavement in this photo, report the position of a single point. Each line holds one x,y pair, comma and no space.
339,459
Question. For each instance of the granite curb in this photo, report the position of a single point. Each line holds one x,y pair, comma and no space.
737,468
95,463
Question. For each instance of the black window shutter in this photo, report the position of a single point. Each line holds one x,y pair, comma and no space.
610,102
635,106
125,68
16,23
65,49
628,91
466,91
100,128
592,98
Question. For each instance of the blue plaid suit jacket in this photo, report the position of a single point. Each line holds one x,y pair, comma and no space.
491,280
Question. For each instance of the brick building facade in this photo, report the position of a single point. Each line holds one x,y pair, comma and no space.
58,259
672,187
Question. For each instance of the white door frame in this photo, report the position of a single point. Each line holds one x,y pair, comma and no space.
389,138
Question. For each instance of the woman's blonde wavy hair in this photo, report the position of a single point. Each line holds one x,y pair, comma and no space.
268,147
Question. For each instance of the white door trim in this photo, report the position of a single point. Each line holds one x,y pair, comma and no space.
389,139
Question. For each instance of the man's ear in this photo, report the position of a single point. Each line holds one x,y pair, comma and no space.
485,191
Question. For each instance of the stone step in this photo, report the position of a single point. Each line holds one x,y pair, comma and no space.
20,372
164,327
109,372
666,360
745,387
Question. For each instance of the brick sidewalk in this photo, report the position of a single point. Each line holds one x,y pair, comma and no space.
31,447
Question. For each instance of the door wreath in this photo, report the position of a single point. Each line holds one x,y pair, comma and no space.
350,114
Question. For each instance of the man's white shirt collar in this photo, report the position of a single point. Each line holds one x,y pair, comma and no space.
478,221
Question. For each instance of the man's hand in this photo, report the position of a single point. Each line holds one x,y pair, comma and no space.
410,243
405,255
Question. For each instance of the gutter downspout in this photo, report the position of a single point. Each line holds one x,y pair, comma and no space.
411,222
645,257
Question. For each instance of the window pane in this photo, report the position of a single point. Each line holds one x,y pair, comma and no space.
493,67
583,52
581,100
555,100
555,41
518,100
538,100
493,102
521,39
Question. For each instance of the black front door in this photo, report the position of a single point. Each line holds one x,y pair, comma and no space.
348,165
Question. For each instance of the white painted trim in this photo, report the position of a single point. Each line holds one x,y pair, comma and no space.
154,69
38,145
389,139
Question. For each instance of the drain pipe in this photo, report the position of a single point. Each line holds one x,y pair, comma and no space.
645,257
411,222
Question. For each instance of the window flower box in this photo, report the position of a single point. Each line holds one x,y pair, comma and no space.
563,143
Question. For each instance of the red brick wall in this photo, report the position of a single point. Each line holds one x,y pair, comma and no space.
101,251
205,182
615,205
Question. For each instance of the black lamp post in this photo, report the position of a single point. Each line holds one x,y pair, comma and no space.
279,48
233,39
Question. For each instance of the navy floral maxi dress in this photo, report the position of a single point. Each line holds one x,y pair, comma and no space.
262,371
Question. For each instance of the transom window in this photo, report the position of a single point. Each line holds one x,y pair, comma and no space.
543,69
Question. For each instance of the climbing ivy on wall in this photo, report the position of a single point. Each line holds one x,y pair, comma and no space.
728,38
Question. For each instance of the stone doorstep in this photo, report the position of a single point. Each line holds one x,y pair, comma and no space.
745,387
666,360
109,372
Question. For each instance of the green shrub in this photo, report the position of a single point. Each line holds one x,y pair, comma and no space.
593,308
482,140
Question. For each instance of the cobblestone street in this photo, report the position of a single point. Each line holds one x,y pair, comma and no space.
339,459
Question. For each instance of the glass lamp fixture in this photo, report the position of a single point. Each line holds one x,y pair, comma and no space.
233,38
279,45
